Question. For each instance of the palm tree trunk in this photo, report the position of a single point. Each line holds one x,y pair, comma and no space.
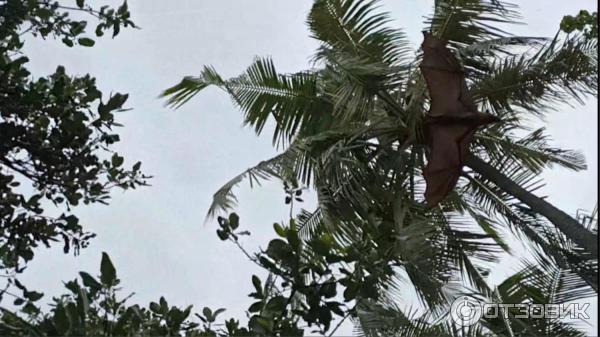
570,227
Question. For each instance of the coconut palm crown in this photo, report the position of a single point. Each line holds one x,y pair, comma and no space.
351,128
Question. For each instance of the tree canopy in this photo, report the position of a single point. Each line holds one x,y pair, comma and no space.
56,132
352,129
582,22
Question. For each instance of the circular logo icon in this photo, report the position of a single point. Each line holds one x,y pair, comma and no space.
466,311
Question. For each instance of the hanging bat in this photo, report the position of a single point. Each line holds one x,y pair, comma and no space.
451,121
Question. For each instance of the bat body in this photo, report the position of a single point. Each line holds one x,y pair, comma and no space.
451,121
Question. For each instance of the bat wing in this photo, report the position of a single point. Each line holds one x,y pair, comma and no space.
452,119
445,80
443,166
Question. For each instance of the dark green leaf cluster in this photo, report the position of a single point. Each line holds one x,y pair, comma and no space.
93,307
311,284
582,22
56,132
46,18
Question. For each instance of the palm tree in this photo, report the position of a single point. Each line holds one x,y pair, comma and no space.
365,78
567,224
352,128
540,283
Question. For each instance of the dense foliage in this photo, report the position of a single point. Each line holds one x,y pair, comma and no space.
582,22
352,130
311,288
56,132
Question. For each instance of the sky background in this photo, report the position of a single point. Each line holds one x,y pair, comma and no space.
156,235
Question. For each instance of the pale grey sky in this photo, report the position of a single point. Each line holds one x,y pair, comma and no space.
155,235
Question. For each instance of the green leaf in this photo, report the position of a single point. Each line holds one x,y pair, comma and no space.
116,28
369,290
335,307
350,292
108,273
33,295
117,101
19,285
86,42
234,221
279,250
217,312
279,230
61,320
322,245
73,315
325,317
255,307
84,304
30,309
164,306
73,286
328,290
77,27
261,325
117,160
114,102
90,281
154,307
44,13
187,311
99,30
208,314
292,237
276,304
257,285
223,235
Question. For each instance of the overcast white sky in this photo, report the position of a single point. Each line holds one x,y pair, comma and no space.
155,235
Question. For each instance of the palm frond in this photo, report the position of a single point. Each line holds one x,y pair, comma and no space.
280,167
375,319
547,241
541,283
292,100
309,223
466,22
189,86
355,84
544,282
363,57
356,28
499,46
350,126
532,151
555,73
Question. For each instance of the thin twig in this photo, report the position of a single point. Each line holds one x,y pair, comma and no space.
340,323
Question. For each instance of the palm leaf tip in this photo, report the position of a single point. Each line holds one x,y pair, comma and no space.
357,28
277,167
189,86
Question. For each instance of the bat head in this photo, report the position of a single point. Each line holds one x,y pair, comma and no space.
430,41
